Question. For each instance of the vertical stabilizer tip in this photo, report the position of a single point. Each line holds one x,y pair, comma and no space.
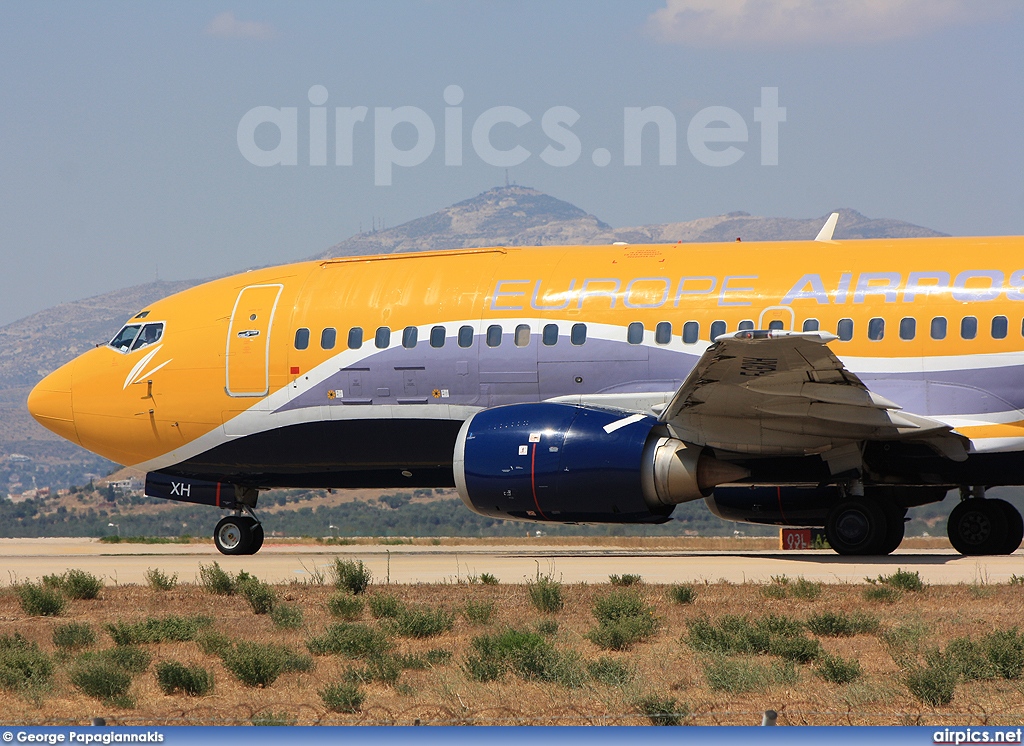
825,234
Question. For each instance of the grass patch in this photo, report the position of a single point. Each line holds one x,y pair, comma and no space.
625,580
682,594
23,666
662,711
487,579
738,675
269,717
102,679
527,654
837,669
777,588
260,595
216,580
170,628
422,621
546,594
73,636
351,640
611,672
287,616
345,606
351,575
738,635
901,579
384,606
115,539
38,599
933,683
75,584
176,678
478,612
884,594
128,658
346,697
213,642
807,590
548,627
623,619
260,664
158,580
842,624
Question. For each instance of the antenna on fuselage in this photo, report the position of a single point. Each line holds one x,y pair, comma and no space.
825,234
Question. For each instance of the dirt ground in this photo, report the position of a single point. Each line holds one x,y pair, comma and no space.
666,667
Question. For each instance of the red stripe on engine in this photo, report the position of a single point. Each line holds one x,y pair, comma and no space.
533,481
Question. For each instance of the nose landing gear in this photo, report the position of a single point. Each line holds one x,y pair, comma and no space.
238,534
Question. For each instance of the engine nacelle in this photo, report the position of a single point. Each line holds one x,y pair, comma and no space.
562,462
773,505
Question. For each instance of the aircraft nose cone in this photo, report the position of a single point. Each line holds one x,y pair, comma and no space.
50,403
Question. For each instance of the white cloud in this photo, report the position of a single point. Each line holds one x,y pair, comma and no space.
227,26
709,23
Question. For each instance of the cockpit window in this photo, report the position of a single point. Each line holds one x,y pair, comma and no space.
151,334
123,339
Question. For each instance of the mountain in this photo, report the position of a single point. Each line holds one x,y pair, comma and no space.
509,216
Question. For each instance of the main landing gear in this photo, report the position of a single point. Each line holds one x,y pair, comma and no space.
860,526
980,526
238,534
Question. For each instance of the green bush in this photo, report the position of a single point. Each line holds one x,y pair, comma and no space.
611,672
968,659
215,580
738,635
346,697
1005,651
260,664
623,619
286,616
548,627
351,575
269,717
345,606
901,579
422,621
662,711
775,590
385,669
838,670
841,624
171,628
885,594
479,612
73,635
23,666
100,678
682,594
438,657
487,579
158,580
625,580
933,683
384,605
260,595
528,654
737,675
351,640
798,648
40,600
173,678
808,590
128,658
546,594
213,642
81,585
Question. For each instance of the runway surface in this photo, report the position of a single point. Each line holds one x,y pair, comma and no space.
30,559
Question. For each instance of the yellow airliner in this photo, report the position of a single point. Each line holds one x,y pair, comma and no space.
828,383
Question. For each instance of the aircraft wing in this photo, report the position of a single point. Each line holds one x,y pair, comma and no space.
786,393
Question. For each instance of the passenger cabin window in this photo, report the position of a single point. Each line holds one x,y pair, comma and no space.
301,338
410,336
908,328
746,325
635,333
494,335
383,338
522,336
999,327
466,335
718,328
876,329
939,327
150,335
123,339
968,327
328,338
578,334
437,336
845,329
663,332
776,325
691,332
550,335
355,337
810,325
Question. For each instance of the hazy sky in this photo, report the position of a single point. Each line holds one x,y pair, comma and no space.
120,122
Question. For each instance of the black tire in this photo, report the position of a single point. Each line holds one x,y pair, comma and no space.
1014,527
233,535
257,539
895,518
857,527
978,527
